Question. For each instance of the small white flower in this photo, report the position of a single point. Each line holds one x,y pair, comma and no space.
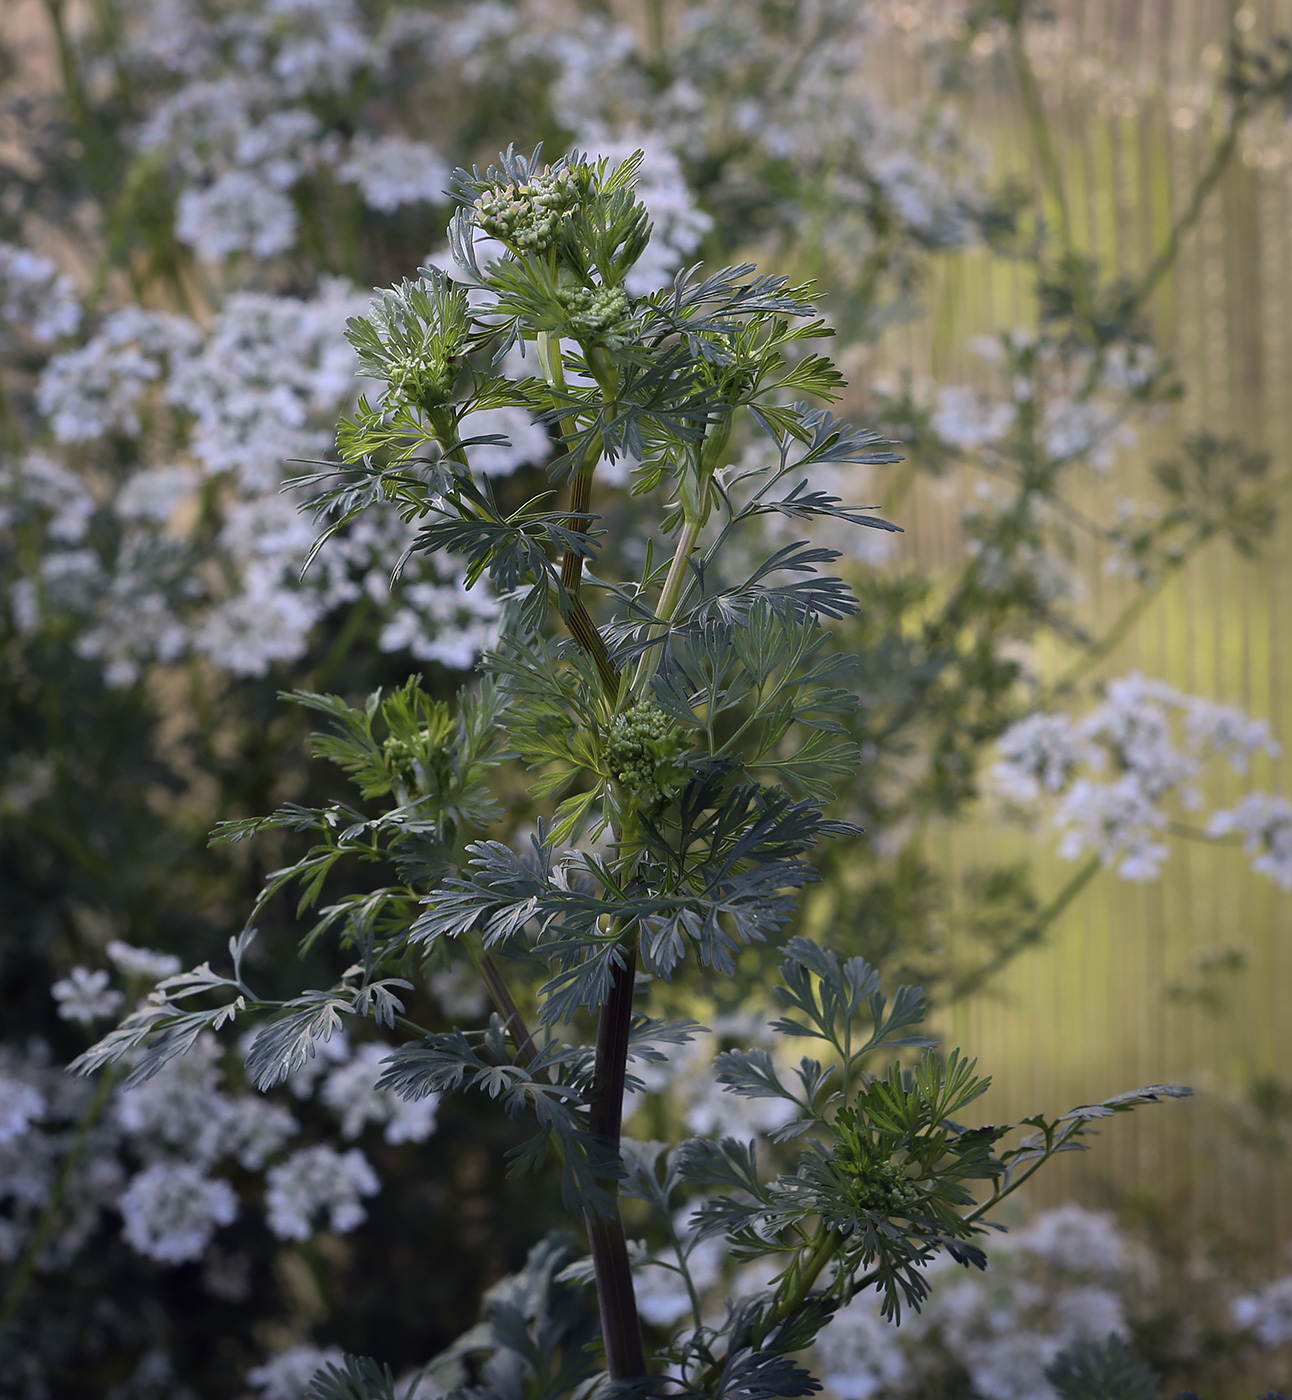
1077,1240
35,295
1039,753
85,996
20,1105
255,1128
1265,824
287,1375
313,1180
392,171
351,1092
238,213
142,962
171,1210
1267,1314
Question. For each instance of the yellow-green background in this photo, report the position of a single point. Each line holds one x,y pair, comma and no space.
1089,1014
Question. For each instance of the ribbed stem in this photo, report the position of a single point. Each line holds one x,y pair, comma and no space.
668,601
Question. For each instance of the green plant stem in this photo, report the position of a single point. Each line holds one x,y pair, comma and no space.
616,1297
668,601
578,619
1116,634
625,1356
499,991
1039,129
1207,182
1030,936
26,1266
824,1249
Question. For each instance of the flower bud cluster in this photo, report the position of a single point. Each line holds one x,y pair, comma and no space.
642,749
527,217
595,314
883,1188
873,1181
422,378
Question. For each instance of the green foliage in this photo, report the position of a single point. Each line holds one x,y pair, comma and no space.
687,726
1101,1371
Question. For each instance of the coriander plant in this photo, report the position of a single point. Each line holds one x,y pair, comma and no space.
668,694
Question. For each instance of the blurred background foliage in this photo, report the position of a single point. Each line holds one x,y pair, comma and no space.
1054,242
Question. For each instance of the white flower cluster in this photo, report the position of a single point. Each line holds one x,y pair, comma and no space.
1080,405
262,384
36,299
172,1209
1267,1314
1065,1278
1153,742
315,1180
1265,824
239,135
708,1109
287,1375
158,1150
351,1092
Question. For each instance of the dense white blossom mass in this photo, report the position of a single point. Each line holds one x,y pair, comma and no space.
1148,744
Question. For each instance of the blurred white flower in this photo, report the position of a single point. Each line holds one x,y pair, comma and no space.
1039,753
239,212
142,962
21,1105
392,171
963,419
351,1092
99,388
254,1128
287,1376
37,484
314,1180
1116,820
171,1210
1265,824
85,996
320,44
1076,1240
1266,1314
155,493
859,1355
35,296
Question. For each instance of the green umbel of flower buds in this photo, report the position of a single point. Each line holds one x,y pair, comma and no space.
528,217
424,379
873,1183
598,315
642,749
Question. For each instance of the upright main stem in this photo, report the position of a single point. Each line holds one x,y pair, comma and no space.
620,1324
616,1297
